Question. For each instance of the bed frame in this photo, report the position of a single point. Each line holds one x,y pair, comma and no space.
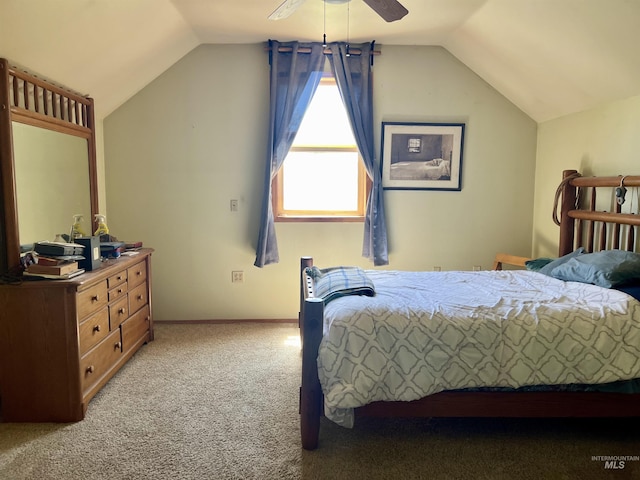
581,225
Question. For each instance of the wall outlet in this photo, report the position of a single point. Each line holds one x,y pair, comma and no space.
233,205
437,269
237,276
477,268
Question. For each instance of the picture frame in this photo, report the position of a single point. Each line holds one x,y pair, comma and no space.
422,156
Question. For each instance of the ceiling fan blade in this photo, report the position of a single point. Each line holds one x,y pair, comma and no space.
285,9
390,10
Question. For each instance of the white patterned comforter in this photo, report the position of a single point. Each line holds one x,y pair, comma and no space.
425,332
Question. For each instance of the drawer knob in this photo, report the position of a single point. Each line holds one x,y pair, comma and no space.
121,311
119,290
139,297
117,346
96,328
91,369
95,298
138,273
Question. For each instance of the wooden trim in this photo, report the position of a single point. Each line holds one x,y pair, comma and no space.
629,181
51,123
9,256
567,226
319,219
506,259
606,217
221,321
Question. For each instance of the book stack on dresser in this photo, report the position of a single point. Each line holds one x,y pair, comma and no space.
53,268
56,260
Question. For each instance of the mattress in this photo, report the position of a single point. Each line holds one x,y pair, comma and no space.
426,332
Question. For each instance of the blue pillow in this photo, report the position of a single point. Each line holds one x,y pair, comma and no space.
546,269
537,263
607,268
632,289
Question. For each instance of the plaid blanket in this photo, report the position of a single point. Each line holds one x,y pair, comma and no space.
331,283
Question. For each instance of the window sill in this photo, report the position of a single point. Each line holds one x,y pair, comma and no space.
319,218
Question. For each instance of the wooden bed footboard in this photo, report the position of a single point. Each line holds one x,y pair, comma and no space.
580,226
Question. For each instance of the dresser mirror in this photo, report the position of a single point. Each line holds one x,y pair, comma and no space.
47,161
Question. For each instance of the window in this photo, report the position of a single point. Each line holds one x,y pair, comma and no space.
323,177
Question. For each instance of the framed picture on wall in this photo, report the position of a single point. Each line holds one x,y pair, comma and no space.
422,156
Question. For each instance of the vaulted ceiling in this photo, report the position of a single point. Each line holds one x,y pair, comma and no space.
549,57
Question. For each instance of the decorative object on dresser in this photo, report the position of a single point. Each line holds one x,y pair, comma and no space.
92,258
62,340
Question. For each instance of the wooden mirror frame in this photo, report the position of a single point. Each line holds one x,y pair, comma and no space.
27,99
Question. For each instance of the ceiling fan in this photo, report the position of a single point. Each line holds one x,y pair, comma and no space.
390,10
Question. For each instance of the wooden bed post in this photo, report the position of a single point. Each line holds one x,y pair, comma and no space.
569,196
304,263
311,391
310,321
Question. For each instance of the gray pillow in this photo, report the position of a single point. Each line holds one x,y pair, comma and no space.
546,269
607,268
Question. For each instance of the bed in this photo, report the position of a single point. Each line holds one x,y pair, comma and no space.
435,169
465,374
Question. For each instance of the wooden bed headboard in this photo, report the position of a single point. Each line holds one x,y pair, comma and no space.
582,224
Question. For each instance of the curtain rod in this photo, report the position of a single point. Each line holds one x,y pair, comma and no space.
327,51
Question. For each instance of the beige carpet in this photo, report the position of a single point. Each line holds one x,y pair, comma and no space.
220,402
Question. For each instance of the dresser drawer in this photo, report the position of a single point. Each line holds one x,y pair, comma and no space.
93,329
118,292
117,279
98,361
92,299
118,312
138,298
136,327
137,274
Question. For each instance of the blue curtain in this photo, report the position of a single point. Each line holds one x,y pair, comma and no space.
354,79
294,79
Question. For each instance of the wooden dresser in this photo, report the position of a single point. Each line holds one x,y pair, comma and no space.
62,340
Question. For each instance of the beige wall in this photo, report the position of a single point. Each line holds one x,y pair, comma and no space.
602,141
177,152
